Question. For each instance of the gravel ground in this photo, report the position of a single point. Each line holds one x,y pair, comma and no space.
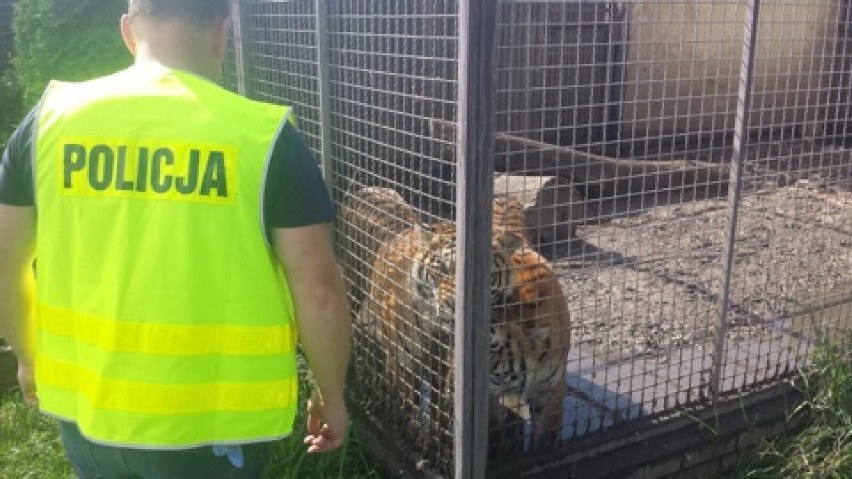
651,281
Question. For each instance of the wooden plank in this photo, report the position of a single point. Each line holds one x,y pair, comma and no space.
613,176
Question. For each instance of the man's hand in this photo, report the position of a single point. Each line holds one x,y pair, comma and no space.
26,379
328,424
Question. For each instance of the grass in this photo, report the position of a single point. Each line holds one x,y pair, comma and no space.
30,443
32,450
823,449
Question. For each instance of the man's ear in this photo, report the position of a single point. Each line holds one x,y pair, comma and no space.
127,34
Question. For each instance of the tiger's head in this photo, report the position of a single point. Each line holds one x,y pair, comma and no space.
434,274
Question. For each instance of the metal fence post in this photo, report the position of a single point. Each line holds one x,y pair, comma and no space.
324,81
238,19
475,184
740,146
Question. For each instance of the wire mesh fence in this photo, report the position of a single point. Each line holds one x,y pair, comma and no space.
670,223
392,71
281,59
229,78
796,182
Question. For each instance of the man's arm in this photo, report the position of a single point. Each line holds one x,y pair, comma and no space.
17,250
325,330
17,245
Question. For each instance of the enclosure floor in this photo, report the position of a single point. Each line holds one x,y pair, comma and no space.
603,393
645,302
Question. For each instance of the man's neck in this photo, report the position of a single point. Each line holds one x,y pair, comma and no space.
177,60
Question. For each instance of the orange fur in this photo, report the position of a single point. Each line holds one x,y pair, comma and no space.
409,307
369,218
536,318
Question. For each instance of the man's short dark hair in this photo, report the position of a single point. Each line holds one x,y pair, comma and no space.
196,11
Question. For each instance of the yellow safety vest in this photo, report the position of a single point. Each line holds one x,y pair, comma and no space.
163,318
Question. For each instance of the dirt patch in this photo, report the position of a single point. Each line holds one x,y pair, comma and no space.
652,281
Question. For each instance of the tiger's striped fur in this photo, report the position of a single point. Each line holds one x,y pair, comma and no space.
409,305
507,216
369,218
530,337
411,301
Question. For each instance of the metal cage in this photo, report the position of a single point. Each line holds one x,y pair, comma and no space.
559,217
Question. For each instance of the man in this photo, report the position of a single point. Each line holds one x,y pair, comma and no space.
182,236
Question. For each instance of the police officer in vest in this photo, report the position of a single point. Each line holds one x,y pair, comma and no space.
183,242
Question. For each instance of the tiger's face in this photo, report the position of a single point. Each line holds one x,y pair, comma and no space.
506,365
434,276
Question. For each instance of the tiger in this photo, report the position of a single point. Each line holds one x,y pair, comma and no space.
369,217
507,215
409,305
530,338
412,294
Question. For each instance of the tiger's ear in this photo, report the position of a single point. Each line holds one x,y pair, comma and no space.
508,241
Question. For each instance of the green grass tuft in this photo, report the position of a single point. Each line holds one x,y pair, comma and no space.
30,443
823,449
291,461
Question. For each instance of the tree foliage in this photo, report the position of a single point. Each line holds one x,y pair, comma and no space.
66,40
11,105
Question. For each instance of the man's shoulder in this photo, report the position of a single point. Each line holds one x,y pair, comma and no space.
76,93
16,180
113,77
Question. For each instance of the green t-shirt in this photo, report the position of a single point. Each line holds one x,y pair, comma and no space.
294,195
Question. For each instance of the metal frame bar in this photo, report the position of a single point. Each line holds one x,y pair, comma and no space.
475,188
325,104
839,99
240,47
740,145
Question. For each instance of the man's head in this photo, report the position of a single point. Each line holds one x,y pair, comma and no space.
199,12
183,34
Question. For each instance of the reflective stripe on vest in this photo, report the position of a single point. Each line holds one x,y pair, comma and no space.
164,320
